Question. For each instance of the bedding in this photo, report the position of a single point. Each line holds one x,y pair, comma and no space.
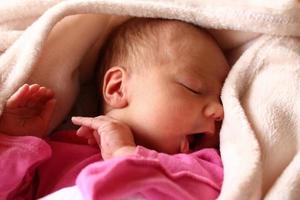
55,44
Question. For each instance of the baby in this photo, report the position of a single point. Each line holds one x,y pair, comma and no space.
161,89
160,81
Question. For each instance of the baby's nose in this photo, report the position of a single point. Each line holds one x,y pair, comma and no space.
214,110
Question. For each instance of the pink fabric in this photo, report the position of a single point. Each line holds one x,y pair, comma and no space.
154,176
19,159
32,168
69,157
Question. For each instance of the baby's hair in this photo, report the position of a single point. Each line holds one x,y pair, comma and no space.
130,44
139,44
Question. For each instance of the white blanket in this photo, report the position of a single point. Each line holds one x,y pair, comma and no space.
40,42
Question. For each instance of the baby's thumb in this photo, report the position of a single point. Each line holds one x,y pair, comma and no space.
47,113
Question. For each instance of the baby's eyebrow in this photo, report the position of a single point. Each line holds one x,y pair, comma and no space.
192,78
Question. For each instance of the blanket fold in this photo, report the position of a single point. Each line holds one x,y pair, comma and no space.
55,43
260,101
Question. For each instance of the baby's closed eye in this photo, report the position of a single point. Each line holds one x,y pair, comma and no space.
192,84
192,89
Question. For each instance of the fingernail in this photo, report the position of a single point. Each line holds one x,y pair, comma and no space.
74,118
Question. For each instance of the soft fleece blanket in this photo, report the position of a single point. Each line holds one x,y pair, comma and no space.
43,42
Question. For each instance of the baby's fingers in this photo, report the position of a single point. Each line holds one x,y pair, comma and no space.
84,132
18,97
29,95
40,97
92,141
89,134
89,122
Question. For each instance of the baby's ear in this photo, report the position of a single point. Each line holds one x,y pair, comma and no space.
114,87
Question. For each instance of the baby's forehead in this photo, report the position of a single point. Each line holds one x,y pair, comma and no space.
180,33
174,41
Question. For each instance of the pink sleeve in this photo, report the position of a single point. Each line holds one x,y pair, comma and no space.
154,176
19,157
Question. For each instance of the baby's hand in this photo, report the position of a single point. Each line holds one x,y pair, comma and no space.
28,111
113,137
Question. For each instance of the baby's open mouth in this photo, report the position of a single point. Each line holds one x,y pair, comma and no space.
191,142
195,140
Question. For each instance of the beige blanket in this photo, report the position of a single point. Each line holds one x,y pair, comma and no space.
52,43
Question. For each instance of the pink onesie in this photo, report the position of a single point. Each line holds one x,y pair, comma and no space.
32,168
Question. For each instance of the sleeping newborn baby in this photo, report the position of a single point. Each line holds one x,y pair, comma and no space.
159,82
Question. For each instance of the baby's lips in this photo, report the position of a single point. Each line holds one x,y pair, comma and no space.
185,146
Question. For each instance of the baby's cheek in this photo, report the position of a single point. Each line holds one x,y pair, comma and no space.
171,120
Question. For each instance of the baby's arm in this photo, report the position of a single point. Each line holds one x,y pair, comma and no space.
28,111
113,137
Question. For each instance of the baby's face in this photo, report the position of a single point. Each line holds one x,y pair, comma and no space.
177,105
